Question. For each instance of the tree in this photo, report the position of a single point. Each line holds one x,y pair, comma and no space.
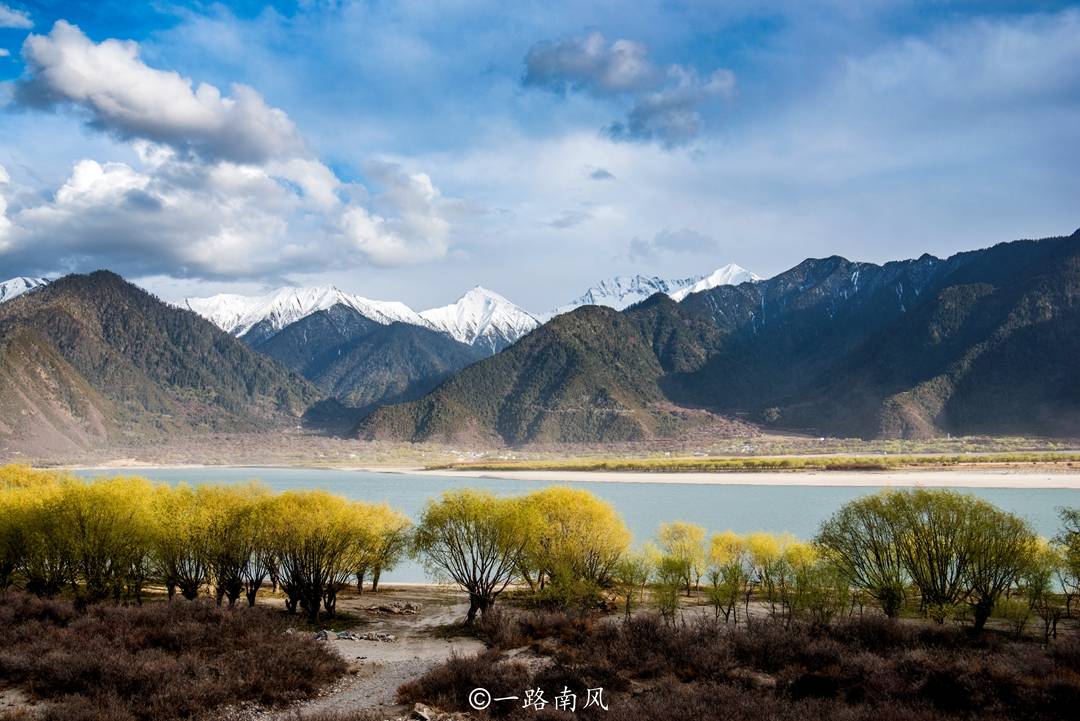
107,525
234,539
816,588
632,576
1036,584
47,560
1003,548
12,541
577,543
180,540
728,573
936,544
315,539
684,544
477,540
766,558
1068,540
390,535
670,577
861,540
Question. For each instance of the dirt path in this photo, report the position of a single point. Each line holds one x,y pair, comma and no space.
378,668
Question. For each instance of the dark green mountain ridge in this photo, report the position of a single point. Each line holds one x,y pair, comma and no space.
363,363
984,341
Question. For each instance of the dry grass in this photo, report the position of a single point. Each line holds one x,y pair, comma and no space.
872,669
775,463
160,661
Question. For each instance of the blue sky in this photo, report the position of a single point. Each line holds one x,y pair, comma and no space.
410,150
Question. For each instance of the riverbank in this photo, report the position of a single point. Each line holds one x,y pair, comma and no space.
1011,476
1014,477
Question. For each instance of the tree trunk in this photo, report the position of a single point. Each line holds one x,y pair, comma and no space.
477,603
982,609
375,573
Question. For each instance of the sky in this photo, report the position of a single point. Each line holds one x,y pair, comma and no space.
410,150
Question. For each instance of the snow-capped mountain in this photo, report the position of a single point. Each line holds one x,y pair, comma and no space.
482,318
623,291
17,286
239,314
730,274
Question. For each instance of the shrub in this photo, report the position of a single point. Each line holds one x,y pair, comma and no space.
162,661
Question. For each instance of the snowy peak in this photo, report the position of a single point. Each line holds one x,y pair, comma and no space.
730,274
238,314
623,291
17,286
482,318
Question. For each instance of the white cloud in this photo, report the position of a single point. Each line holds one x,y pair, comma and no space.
5,224
225,187
408,226
13,18
4,52
124,96
180,217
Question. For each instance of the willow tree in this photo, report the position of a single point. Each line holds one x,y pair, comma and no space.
316,537
47,563
728,573
389,533
234,539
578,541
1068,573
12,542
632,575
181,540
862,540
684,545
1004,547
107,526
477,540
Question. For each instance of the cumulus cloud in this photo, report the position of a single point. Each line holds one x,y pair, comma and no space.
122,95
669,240
4,53
407,224
225,186
664,103
13,18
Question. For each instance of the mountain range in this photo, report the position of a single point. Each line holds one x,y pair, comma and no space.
368,353
480,318
89,359
623,291
985,341
981,342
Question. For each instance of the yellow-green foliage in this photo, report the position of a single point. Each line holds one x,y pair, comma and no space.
683,546
109,537
478,540
578,541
